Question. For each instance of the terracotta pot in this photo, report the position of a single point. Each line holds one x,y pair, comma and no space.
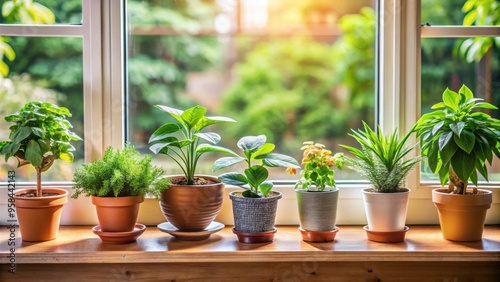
254,215
117,214
191,208
386,212
317,209
386,236
462,216
39,218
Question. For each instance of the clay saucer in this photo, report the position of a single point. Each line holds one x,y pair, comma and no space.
119,237
318,236
386,236
213,227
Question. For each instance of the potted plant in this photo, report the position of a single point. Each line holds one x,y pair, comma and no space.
381,159
117,184
192,201
40,135
317,195
255,208
458,142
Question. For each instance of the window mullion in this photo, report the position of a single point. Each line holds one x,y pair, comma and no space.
454,31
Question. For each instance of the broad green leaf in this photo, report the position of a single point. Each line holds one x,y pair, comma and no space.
432,158
265,149
44,147
33,153
463,164
470,17
437,127
211,137
444,139
439,105
473,177
278,160
38,132
250,194
21,134
159,148
206,121
256,175
203,148
164,131
192,115
251,143
444,174
225,162
448,151
449,98
481,167
457,127
233,178
175,113
484,105
467,92
266,187
466,141
5,148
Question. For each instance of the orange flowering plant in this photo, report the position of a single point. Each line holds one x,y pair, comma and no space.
319,164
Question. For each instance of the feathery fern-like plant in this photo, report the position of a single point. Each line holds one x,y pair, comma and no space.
120,173
381,158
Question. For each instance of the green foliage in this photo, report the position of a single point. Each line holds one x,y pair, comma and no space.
254,148
286,87
40,134
319,167
381,158
458,140
187,151
120,173
479,12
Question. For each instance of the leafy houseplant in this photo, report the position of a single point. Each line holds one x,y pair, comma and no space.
317,196
255,208
458,143
117,184
192,202
40,135
381,159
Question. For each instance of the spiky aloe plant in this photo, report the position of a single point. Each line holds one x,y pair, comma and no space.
381,158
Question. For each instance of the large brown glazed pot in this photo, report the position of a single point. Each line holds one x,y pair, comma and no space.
39,217
117,214
192,208
462,216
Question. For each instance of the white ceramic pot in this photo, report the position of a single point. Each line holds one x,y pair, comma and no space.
385,211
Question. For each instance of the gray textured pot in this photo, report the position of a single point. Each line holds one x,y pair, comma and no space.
254,215
317,209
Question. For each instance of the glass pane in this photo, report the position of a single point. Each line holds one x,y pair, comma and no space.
444,66
303,73
454,12
41,12
47,70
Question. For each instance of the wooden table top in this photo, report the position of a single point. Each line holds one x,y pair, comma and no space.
78,244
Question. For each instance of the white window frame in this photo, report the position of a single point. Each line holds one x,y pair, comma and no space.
398,104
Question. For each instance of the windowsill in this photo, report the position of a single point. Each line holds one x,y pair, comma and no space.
157,256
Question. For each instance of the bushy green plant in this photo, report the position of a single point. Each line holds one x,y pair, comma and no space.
41,134
120,173
381,158
457,140
187,151
319,164
255,176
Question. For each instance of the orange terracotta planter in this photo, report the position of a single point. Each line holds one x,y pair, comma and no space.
462,216
192,207
39,217
117,214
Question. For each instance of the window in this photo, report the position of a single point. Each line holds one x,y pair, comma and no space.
98,32
291,71
453,55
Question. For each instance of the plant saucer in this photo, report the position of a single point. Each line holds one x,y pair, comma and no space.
119,237
318,236
386,236
213,227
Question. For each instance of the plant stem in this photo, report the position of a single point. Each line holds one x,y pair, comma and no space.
456,183
38,181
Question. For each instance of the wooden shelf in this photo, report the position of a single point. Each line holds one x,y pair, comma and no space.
423,247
